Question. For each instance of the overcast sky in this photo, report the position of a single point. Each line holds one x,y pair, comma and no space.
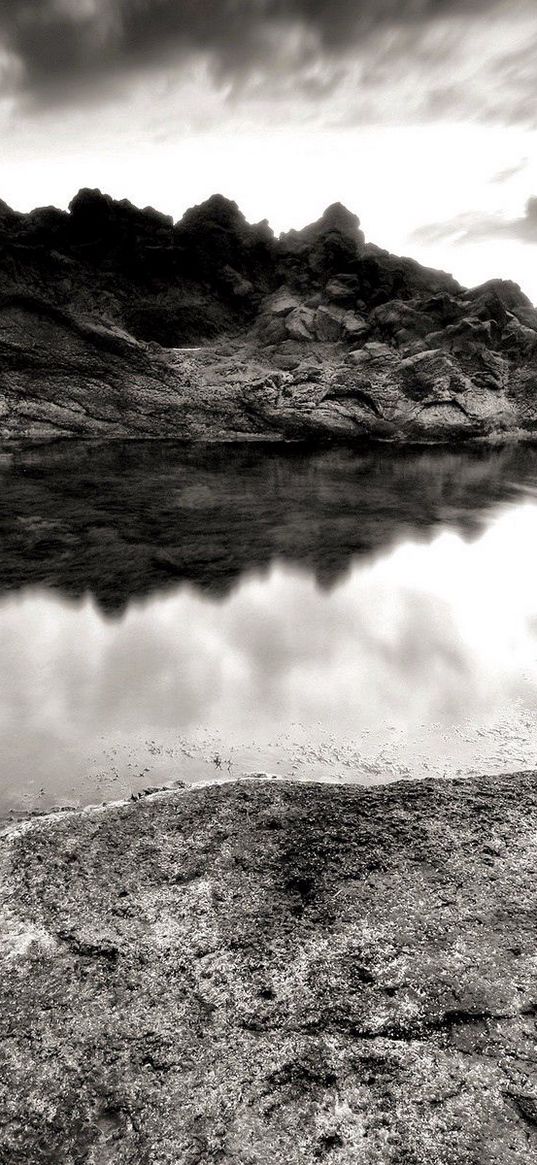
420,115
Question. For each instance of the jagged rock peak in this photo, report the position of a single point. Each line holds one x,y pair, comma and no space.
217,209
222,212
335,219
6,212
507,291
92,203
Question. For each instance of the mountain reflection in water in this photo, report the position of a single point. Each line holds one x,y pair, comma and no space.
170,612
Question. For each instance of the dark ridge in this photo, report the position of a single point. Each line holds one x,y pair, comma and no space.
312,336
187,281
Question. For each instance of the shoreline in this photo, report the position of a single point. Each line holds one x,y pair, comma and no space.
276,442
182,788
162,791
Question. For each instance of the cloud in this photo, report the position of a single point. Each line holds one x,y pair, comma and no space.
319,64
509,172
57,48
473,226
422,638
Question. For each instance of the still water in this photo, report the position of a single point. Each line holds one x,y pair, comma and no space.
170,613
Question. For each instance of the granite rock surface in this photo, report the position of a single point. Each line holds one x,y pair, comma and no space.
266,972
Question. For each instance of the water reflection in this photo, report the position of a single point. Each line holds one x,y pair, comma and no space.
228,650
125,520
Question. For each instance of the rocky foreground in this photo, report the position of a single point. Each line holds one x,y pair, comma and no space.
273,973
117,322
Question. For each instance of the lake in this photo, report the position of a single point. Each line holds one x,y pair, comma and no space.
180,613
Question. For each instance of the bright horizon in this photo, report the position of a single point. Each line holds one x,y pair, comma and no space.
419,118
320,169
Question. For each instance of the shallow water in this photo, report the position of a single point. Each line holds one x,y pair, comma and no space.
171,613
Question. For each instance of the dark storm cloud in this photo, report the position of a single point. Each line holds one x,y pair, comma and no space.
473,227
59,45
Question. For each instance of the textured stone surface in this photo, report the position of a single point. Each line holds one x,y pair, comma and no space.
266,972
60,376
116,322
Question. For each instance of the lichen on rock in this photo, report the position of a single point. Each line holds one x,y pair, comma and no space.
263,972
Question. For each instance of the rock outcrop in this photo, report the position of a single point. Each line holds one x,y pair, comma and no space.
273,973
115,321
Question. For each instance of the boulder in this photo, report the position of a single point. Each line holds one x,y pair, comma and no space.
466,337
519,340
431,374
329,323
508,293
281,303
396,318
354,326
342,289
300,323
237,284
271,329
372,352
287,361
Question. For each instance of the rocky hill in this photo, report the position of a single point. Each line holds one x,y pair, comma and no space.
116,322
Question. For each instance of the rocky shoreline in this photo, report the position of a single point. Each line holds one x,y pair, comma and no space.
117,323
273,972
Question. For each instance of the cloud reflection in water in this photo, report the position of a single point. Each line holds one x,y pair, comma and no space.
428,634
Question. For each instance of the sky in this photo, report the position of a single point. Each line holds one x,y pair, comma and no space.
419,115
